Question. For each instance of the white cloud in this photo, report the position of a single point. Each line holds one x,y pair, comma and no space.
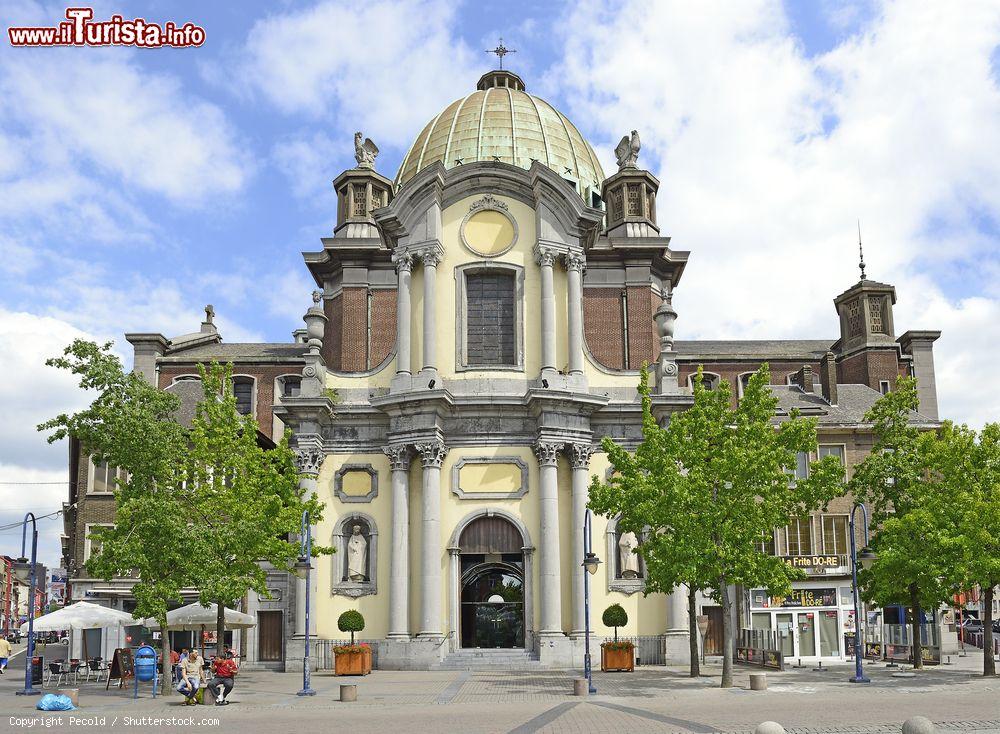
766,158
375,66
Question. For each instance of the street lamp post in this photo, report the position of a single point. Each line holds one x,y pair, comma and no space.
305,554
590,564
26,571
866,558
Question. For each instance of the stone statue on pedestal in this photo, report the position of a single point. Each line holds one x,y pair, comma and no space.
357,555
627,544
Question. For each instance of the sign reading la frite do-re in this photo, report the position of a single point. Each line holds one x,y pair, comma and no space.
810,562
798,598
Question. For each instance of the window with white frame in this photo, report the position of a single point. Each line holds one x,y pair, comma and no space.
833,449
103,478
92,545
835,538
884,387
243,389
744,381
766,544
798,537
187,378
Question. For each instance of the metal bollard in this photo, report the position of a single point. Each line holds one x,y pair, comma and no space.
758,681
820,669
348,693
581,687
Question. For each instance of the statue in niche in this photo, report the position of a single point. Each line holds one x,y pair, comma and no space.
629,560
357,555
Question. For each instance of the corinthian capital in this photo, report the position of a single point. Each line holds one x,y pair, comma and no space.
308,460
430,255
575,261
547,452
579,454
399,456
403,261
545,256
432,453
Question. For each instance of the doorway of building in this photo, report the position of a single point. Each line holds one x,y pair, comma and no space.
491,584
269,636
714,636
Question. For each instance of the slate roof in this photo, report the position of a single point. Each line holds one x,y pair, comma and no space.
236,352
757,349
853,401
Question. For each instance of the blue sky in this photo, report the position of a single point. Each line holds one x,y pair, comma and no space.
138,185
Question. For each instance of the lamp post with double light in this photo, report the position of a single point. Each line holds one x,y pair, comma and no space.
25,571
590,564
303,566
865,558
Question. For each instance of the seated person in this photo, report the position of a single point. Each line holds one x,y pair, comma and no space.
225,668
192,675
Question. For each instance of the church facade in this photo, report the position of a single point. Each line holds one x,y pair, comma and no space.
479,325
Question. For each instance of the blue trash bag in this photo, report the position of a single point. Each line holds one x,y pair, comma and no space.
55,702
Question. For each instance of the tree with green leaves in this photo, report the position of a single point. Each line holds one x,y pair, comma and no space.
129,425
615,616
707,488
351,621
967,466
245,499
915,519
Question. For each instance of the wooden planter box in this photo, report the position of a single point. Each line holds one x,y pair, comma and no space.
353,663
617,660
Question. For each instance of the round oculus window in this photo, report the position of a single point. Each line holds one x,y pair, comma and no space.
489,232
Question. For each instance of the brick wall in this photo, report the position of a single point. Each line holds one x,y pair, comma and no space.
602,326
264,376
333,337
869,367
640,327
90,509
383,324
354,329
731,371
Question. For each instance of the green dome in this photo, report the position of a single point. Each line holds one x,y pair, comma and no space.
501,122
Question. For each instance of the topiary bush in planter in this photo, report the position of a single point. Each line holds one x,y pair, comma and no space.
615,616
352,659
351,621
617,655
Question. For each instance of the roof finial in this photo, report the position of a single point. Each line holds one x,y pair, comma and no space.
861,252
501,51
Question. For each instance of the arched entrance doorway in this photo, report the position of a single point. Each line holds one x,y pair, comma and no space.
491,571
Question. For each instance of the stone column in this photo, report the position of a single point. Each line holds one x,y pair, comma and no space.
430,258
431,456
545,257
404,264
579,456
308,461
549,566
678,609
399,561
574,275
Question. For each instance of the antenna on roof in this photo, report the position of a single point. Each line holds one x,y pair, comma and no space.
861,252
501,51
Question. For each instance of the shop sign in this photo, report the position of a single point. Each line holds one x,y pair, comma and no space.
799,598
810,562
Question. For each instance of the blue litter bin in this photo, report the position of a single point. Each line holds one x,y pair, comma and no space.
145,663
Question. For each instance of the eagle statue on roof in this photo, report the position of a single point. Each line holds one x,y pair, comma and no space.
627,151
365,152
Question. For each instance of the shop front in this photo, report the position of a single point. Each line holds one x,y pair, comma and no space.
811,622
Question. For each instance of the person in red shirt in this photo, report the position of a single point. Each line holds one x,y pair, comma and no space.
225,671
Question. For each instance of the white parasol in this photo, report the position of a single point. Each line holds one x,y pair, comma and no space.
78,616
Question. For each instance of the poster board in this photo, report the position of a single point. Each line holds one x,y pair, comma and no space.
122,667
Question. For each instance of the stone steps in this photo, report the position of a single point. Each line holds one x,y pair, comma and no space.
489,660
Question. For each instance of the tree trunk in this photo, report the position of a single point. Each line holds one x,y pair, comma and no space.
220,628
989,664
918,658
166,667
693,631
727,634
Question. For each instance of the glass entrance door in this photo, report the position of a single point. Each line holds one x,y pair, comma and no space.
786,632
492,612
806,623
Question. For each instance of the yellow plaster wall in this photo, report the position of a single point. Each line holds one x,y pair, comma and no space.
374,608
